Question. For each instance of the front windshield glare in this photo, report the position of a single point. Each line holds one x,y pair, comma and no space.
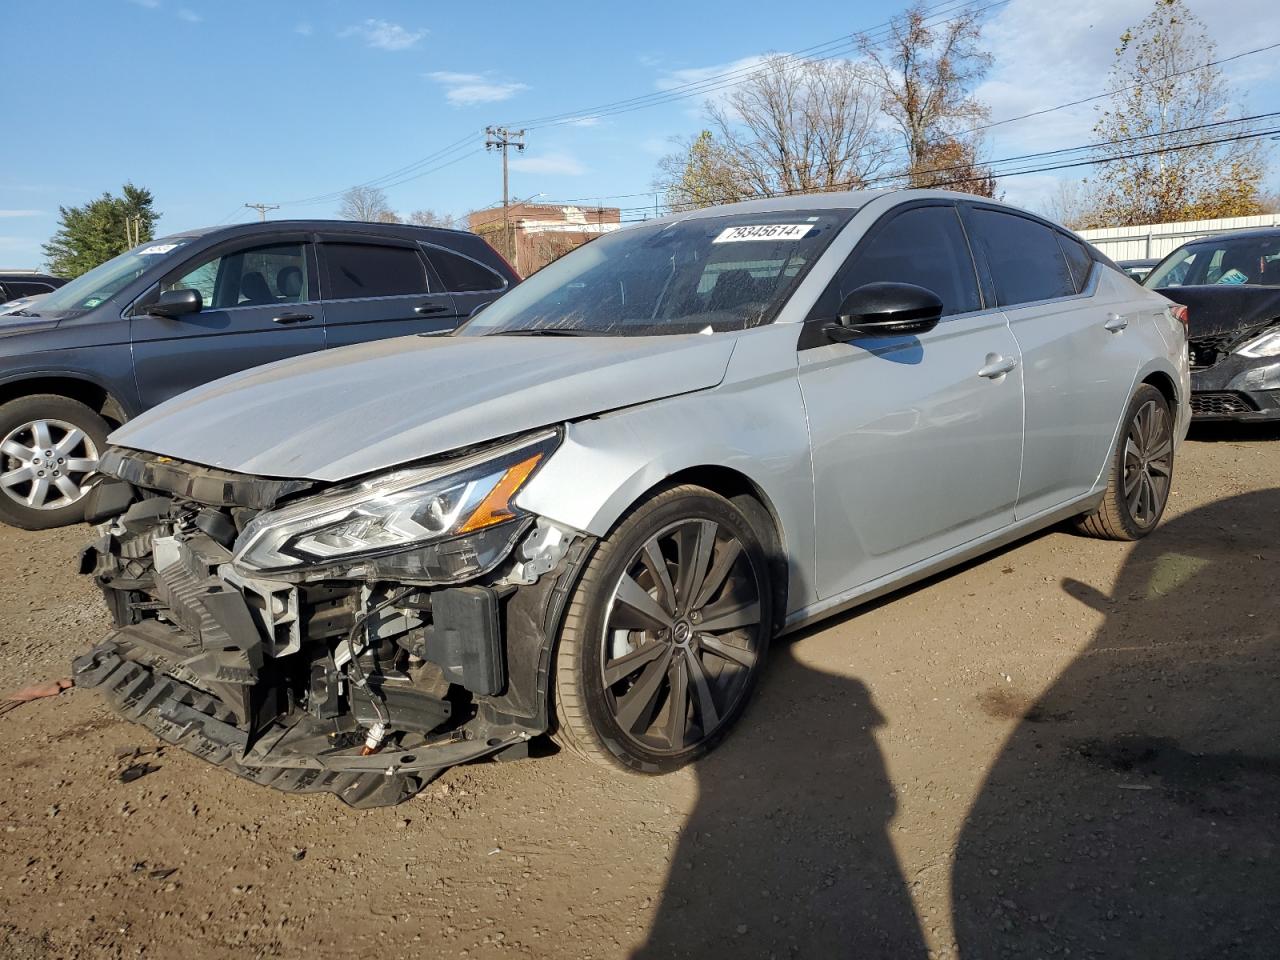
690,276
105,280
1221,261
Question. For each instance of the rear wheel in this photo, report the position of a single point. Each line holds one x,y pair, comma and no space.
665,635
49,446
1141,472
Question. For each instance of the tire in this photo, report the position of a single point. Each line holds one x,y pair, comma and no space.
620,668
43,485
1141,472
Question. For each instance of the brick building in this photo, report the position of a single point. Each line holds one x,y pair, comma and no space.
542,232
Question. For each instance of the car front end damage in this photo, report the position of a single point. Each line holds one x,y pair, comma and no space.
354,639
1235,375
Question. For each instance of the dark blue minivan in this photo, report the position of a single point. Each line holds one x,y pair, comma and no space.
183,310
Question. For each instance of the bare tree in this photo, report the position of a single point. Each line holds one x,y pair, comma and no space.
368,204
792,127
926,74
1071,204
1157,98
429,218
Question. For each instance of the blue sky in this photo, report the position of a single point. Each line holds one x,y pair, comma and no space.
212,104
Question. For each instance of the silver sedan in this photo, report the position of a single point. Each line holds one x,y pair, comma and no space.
589,510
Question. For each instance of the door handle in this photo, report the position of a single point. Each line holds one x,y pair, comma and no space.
287,318
997,366
1115,322
427,309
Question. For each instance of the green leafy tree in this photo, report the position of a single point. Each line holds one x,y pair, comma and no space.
99,230
1157,98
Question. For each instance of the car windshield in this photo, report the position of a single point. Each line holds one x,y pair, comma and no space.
1224,260
105,280
704,274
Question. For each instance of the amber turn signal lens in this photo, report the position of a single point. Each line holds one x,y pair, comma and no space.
496,507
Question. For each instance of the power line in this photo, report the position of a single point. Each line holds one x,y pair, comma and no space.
834,48
1065,165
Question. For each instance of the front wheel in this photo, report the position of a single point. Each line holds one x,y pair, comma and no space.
665,635
49,446
1141,472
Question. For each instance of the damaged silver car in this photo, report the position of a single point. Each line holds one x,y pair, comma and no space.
589,510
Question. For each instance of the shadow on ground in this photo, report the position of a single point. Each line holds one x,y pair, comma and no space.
1135,810
787,853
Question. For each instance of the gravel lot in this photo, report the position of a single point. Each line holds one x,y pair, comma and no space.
1071,748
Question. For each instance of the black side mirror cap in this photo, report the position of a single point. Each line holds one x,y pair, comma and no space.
177,303
885,309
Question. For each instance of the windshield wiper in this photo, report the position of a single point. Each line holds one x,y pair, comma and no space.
549,332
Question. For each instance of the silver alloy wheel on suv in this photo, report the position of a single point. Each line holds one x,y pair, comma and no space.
49,448
46,464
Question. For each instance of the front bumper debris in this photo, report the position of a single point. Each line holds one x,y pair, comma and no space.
362,689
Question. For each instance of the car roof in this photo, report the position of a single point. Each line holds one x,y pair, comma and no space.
1251,233
276,226
837,200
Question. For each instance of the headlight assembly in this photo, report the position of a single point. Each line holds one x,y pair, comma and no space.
1266,345
439,524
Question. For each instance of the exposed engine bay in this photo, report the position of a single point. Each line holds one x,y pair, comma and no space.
352,681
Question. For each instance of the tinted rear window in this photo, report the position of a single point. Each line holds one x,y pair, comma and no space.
1027,264
1079,259
462,274
370,270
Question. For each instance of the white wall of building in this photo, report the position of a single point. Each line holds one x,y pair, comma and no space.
1157,239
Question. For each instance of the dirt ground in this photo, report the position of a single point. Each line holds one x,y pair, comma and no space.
1070,748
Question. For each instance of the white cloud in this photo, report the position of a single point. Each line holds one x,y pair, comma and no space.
189,15
4,214
587,121
465,89
149,4
384,35
671,79
551,164
304,29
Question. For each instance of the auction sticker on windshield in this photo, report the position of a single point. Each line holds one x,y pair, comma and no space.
764,231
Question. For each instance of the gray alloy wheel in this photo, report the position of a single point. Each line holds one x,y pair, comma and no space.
1141,472
680,636
46,463
1148,463
667,631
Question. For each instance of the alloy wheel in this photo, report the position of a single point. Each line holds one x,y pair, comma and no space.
1148,463
682,636
44,464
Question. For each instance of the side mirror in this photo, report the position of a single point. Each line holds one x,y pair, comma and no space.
886,310
177,303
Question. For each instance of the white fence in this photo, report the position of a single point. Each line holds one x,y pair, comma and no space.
1157,239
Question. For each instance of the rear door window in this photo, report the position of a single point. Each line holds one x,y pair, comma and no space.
925,246
1026,262
357,270
462,274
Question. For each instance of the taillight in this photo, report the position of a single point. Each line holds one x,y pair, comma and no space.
1183,316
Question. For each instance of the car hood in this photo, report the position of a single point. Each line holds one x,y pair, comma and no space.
341,413
1218,309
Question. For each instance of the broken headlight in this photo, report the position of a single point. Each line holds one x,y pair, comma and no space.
441,523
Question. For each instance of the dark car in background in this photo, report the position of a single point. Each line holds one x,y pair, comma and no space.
180,311
1230,285
1137,270
16,284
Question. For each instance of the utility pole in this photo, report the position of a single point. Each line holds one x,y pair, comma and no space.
500,138
262,208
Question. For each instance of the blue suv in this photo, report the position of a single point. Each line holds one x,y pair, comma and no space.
183,310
